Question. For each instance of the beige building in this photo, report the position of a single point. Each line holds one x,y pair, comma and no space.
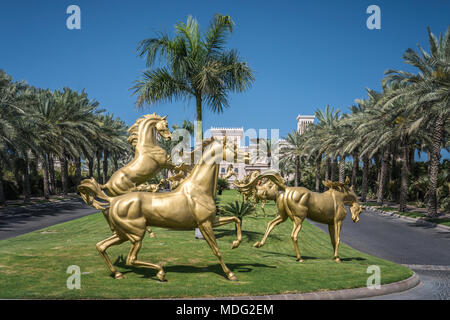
236,135
303,122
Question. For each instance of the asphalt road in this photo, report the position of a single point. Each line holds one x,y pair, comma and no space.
15,221
424,249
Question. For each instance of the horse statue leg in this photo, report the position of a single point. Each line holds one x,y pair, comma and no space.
207,232
337,232
226,220
294,236
282,216
263,203
105,244
132,260
332,236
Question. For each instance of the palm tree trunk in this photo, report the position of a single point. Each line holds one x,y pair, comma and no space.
327,169
199,126
2,191
318,160
297,171
18,179
99,176
26,179
341,169
105,165
90,166
412,151
51,172
434,166
115,162
404,178
365,175
383,176
355,168
45,175
64,173
333,169
77,171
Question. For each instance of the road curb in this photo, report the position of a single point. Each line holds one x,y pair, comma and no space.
345,294
417,220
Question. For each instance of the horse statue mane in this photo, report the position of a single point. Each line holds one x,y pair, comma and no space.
339,186
133,130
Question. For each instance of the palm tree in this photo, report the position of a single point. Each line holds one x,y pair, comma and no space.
196,67
327,122
428,95
292,152
8,112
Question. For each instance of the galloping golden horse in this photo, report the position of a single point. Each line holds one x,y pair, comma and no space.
265,191
299,203
247,193
190,206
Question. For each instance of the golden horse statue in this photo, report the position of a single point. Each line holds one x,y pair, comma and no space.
246,193
149,158
265,191
230,172
190,206
299,203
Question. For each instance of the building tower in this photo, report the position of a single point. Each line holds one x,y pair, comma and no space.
303,122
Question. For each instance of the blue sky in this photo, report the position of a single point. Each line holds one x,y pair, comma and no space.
305,54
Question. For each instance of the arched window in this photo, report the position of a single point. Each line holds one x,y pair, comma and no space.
223,170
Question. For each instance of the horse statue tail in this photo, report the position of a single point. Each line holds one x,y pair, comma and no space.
272,175
90,190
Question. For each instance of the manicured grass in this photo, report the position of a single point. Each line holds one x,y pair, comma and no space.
34,265
444,221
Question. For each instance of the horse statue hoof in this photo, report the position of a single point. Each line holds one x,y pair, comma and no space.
337,260
236,244
257,244
118,275
161,276
232,277
300,260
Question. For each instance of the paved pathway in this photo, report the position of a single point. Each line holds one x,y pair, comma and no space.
424,249
15,221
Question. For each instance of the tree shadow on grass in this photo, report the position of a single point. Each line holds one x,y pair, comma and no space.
249,236
280,254
353,259
215,268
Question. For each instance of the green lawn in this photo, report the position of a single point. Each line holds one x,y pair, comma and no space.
34,265
412,214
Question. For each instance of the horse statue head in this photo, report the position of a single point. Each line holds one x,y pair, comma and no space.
144,130
350,196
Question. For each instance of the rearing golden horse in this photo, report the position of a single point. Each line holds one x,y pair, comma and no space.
148,159
299,203
190,206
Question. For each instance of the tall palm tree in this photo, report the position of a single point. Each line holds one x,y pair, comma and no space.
327,123
428,94
194,66
292,152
